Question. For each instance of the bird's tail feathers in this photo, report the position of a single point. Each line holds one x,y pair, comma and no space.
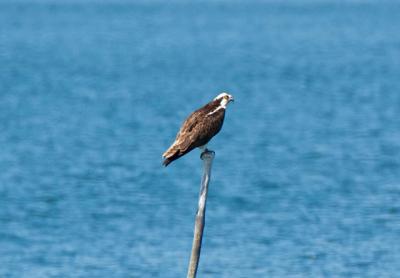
167,161
170,155
170,152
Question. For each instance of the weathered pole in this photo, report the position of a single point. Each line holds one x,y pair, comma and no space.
207,157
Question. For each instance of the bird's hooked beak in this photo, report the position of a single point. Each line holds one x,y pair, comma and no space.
231,99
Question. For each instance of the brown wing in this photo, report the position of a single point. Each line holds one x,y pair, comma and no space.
186,128
196,131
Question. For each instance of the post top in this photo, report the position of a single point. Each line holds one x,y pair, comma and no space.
207,154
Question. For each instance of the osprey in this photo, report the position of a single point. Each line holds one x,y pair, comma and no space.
198,129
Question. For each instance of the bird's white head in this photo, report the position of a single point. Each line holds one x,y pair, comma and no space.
224,98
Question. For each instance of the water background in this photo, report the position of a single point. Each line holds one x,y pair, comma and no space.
306,180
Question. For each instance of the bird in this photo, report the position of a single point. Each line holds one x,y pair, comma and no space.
198,128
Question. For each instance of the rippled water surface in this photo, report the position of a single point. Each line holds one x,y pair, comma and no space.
306,180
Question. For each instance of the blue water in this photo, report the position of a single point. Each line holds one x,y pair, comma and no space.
306,180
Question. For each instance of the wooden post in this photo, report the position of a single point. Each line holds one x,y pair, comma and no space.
207,157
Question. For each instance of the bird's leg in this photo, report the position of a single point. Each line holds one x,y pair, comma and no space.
203,150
